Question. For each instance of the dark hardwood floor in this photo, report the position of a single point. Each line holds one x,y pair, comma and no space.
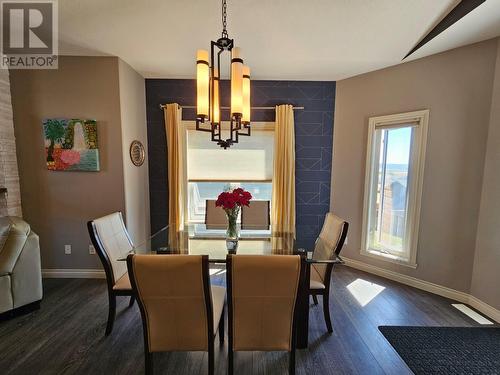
66,336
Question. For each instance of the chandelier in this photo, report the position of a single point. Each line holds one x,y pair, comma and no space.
208,110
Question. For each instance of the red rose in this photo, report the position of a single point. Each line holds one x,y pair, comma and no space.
229,202
230,199
220,199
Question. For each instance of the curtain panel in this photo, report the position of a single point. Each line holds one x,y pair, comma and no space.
283,197
176,154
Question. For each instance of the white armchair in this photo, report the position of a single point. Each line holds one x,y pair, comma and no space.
20,269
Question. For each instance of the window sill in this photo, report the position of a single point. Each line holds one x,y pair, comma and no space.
389,258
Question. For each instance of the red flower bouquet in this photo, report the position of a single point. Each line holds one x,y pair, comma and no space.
236,198
231,202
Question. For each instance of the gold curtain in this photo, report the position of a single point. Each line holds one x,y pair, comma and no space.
176,154
283,198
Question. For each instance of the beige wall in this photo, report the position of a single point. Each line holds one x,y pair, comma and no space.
136,179
10,204
58,204
486,273
456,87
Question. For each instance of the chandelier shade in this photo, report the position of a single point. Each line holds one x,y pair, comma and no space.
216,99
245,117
202,83
236,82
208,73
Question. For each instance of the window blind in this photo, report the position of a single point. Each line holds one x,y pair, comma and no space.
250,159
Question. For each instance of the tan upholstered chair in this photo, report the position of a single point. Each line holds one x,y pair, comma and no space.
20,271
112,242
262,297
215,217
255,216
328,246
180,310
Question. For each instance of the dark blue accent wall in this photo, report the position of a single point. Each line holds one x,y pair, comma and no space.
313,142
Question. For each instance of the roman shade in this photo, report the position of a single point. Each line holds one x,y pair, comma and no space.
250,159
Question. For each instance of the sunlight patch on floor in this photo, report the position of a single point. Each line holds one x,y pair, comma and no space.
471,313
364,291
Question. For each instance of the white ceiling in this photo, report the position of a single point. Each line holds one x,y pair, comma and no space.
294,39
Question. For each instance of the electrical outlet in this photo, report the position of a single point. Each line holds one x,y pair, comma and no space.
91,249
67,249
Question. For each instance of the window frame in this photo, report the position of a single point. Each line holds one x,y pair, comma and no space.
239,182
191,125
416,177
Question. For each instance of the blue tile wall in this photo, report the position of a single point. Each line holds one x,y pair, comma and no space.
313,142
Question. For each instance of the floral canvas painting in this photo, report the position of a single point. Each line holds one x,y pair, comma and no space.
71,145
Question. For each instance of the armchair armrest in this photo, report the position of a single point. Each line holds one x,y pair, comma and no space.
310,260
13,235
26,275
337,260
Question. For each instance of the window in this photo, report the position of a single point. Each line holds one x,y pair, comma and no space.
393,186
211,170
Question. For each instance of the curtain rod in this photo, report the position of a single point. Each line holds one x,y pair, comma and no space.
227,108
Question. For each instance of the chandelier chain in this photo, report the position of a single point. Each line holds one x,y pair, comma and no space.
224,19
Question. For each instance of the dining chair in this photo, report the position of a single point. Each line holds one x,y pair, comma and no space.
215,217
328,246
262,299
255,216
112,241
180,310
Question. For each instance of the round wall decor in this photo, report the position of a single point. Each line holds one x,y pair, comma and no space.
137,153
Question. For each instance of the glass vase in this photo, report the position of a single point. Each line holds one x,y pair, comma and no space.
232,233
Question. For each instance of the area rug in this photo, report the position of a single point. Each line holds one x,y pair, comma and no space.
447,350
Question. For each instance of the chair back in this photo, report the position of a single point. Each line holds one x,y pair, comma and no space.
262,294
255,216
174,296
215,217
330,241
111,241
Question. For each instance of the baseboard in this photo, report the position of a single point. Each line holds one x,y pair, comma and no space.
66,273
409,280
456,295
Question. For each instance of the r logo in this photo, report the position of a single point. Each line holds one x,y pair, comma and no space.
29,34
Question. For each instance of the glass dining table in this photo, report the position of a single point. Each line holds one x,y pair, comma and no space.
197,240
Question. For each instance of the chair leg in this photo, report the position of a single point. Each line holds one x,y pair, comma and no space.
111,314
315,299
221,328
148,362
230,360
291,363
132,300
211,358
326,311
